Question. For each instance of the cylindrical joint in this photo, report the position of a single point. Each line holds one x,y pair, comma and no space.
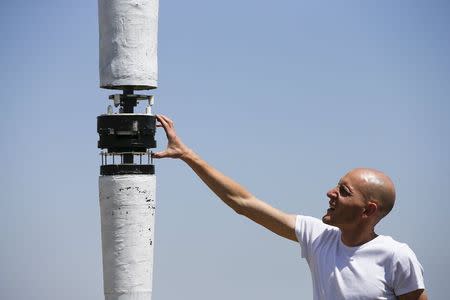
127,206
126,132
128,44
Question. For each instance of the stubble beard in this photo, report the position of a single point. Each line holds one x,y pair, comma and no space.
327,219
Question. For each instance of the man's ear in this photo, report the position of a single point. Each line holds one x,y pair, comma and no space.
371,209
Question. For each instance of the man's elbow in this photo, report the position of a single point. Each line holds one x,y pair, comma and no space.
240,205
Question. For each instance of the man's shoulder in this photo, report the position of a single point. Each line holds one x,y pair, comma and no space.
397,249
312,232
313,225
406,270
389,240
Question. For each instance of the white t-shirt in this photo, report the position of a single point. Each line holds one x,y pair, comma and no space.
379,269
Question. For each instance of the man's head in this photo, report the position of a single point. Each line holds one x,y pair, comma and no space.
362,197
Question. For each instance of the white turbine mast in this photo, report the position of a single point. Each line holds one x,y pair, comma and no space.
128,31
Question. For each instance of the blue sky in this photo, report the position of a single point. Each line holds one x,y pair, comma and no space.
285,97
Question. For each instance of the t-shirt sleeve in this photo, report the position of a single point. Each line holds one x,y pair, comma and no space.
408,272
307,230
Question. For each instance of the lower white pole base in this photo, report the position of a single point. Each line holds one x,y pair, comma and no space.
127,206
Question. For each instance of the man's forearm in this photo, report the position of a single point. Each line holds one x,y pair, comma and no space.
232,193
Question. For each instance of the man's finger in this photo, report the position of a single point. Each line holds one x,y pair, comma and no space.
160,154
167,120
165,125
163,122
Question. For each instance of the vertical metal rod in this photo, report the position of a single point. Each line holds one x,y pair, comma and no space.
113,158
140,158
128,158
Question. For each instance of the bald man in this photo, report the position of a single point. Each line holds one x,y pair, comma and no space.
348,260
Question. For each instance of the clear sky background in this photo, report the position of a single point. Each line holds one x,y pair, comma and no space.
283,96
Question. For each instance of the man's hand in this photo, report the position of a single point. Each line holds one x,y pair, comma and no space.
175,147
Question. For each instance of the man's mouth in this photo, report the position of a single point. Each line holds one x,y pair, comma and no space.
331,206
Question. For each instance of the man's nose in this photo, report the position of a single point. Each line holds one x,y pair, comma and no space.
332,193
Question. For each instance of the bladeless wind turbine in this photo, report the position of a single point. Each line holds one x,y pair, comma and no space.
128,62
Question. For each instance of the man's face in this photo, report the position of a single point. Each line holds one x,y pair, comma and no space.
346,201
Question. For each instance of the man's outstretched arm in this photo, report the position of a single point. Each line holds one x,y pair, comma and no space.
232,193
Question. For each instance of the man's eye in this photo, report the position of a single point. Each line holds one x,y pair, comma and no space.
343,191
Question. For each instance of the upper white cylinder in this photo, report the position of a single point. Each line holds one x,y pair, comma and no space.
128,32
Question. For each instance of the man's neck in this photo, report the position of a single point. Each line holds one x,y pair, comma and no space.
357,236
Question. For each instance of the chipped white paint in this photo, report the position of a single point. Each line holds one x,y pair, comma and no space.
127,206
128,31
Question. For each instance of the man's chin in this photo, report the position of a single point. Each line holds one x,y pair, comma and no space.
327,219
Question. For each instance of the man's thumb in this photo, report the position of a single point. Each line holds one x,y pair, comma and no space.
160,154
